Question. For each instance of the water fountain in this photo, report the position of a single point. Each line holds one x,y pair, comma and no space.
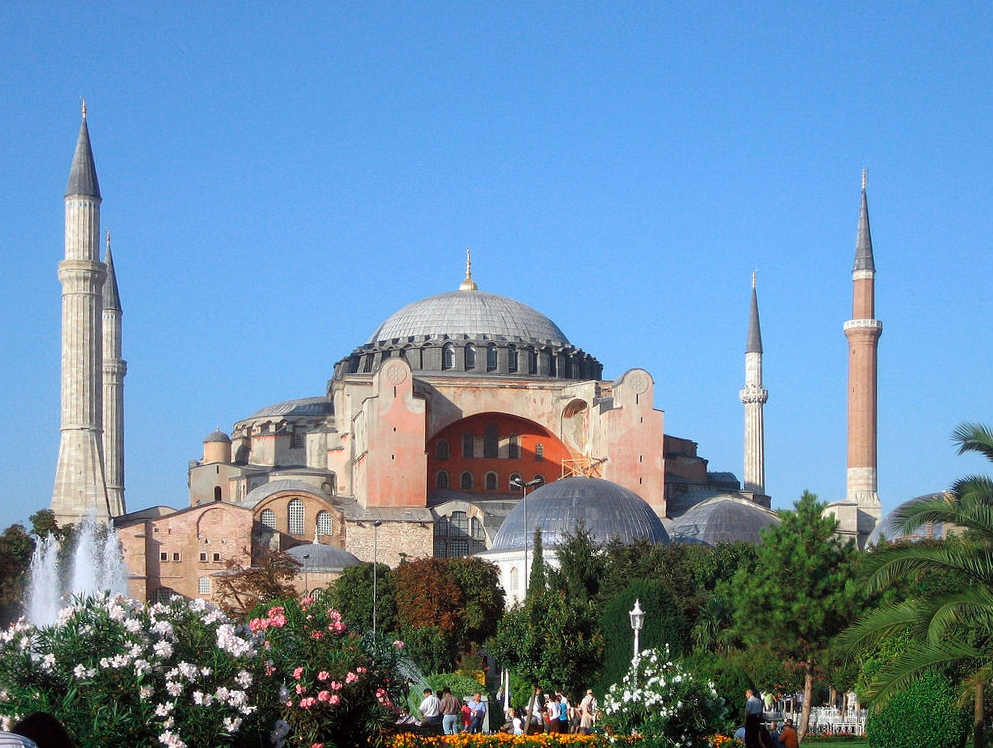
95,566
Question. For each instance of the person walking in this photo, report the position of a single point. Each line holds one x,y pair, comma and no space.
587,712
451,711
478,709
753,718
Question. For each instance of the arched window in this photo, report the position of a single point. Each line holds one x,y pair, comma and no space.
458,548
491,441
441,449
492,481
491,357
515,478
514,448
324,524
478,533
512,359
532,361
441,527
551,364
466,481
514,579
539,452
448,356
467,444
268,518
295,512
470,357
540,478
441,480
217,493
460,525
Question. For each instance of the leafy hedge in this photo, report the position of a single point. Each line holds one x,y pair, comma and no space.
925,715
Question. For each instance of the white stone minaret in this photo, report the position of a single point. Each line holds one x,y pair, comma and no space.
80,488
114,370
754,397
863,332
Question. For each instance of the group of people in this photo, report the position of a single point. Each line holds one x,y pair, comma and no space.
37,730
450,715
756,734
555,713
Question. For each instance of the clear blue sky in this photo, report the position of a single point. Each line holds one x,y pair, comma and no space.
279,178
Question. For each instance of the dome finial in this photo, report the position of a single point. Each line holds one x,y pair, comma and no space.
84,107
865,170
754,273
468,284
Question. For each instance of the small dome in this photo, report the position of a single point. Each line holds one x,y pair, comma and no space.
217,436
608,511
320,557
470,313
888,528
725,518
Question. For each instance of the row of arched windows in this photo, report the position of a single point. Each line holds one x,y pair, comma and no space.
491,446
491,481
458,535
296,519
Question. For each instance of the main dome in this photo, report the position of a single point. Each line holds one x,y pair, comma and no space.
470,314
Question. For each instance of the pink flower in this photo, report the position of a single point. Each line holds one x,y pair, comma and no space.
351,678
324,696
335,698
335,685
316,635
307,702
317,745
360,670
289,702
297,673
301,688
398,644
323,675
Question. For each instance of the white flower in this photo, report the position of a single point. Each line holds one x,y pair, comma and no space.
231,724
163,649
174,688
164,710
171,740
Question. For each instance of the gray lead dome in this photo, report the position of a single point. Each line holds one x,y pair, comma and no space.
470,313
608,511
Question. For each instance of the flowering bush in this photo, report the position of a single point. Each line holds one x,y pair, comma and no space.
333,687
662,703
176,674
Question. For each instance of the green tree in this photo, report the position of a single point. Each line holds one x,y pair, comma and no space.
582,565
351,595
479,581
16,548
949,624
244,588
801,592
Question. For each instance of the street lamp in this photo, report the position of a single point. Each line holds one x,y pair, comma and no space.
306,580
637,622
375,563
518,483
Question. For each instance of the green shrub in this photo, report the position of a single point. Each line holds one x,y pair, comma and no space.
664,625
730,681
925,715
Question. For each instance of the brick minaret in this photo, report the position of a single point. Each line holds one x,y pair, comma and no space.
863,332
754,397
79,478
114,370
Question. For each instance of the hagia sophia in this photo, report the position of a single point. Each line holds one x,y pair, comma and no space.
464,422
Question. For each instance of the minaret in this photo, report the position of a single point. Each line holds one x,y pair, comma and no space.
114,370
79,478
754,397
863,331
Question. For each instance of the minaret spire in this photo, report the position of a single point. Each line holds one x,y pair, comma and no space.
754,397
80,488
114,370
863,332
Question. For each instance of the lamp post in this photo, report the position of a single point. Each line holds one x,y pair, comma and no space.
306,579
637,622
518,483
375,564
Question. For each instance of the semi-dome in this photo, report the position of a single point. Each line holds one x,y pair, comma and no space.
606,509
321,557
459,314
305,406
724,518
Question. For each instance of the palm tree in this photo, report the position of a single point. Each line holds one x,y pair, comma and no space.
949,626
